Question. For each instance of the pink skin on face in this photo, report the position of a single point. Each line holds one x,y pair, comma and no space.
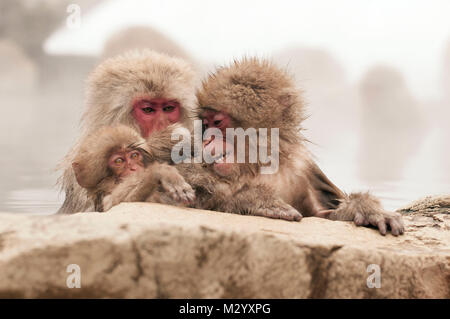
125,163
153,115
220,166
220,120
214,119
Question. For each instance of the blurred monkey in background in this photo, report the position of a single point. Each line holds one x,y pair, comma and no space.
392,126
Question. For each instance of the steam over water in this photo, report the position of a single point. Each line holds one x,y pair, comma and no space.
377,95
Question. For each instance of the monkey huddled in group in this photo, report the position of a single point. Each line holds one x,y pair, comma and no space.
144,90
149,92
115,164
253,93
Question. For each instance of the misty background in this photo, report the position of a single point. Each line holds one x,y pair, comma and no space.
375,77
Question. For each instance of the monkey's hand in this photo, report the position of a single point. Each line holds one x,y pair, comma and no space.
174,186
381,219
279,210
107,203
259,200
364,209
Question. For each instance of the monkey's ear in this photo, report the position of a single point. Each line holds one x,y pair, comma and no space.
79,174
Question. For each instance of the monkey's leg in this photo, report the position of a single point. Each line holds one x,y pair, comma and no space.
259,201
364,209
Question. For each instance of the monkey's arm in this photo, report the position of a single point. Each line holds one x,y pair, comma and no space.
158,180
361,208
134,188
256,200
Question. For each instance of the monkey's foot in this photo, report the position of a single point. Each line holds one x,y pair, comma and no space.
381,219
364,209
285,212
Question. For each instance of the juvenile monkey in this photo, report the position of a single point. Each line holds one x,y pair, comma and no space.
253,93
115,164
144,90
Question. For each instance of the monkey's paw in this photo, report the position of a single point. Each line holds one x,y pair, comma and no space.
381,219
282,211
178,190
107,203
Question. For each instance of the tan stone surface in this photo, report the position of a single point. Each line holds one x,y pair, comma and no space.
155,251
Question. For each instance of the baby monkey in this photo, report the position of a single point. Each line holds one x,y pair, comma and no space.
115,164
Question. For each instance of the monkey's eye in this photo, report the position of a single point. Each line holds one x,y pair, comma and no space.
148,110
217,122
134,155
168,108
119,161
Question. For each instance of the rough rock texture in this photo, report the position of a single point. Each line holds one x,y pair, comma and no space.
156,251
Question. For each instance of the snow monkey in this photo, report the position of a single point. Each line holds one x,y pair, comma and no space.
115,164
253,93
144,90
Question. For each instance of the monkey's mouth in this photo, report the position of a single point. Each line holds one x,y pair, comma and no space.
221,157
216,151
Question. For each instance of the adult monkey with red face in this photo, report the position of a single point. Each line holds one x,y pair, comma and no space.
254,93
144,90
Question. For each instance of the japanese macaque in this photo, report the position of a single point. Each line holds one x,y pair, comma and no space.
144,90
254,93
115,164
141,37
391,124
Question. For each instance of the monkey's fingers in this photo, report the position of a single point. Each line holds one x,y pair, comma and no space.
286,213
186,193
190,194
180,192
396,224
324,213
383,219
360,220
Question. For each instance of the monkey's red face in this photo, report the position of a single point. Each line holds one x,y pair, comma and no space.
215,119
153,115
219,149
125,162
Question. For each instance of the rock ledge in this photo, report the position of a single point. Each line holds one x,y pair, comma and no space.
141,250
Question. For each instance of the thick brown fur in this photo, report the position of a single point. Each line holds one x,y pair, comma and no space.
111,88
96,148
257,94
106,190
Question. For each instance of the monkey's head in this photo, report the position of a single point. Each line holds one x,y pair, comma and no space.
111,151
142,89
250,93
